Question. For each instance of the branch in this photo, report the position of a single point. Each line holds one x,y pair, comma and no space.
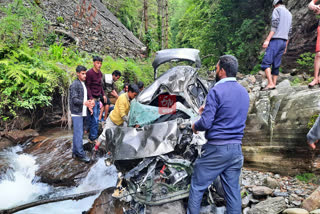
51,200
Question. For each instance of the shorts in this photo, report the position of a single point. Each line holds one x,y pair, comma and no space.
273,55
102,101
318,40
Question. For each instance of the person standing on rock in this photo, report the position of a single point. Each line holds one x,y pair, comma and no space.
223,119
78,107
108,81
276,43
316,9
95,91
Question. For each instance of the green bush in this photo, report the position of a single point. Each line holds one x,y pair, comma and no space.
306,177
306,62
60,19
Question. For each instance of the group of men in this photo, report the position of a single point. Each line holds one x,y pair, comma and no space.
86,93
223,116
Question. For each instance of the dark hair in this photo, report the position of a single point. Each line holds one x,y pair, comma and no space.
124,85
229,64
140,84
80,68
133,88
97,58
116,73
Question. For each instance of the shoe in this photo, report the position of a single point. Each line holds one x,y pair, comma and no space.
83,159
268,89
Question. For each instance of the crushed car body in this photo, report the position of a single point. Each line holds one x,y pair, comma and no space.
164,143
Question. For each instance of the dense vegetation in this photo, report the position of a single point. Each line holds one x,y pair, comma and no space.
215,27
35,65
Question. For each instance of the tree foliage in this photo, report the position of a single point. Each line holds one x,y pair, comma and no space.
219,27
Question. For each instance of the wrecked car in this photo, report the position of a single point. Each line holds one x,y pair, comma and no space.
164,144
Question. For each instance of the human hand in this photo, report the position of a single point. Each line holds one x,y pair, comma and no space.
201,109
265,44
194,129
316,9
313,145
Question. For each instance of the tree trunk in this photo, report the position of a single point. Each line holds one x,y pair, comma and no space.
159,22
162,26
145,9
46,201
167,24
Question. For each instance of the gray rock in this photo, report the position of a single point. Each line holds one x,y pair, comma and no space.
315,211
313,201
272,183
280,194
295,211
259,191
245,201
269,206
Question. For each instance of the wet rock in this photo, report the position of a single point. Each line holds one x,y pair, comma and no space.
54,157
260,191
21,136
271,183
269,206
5,143
313,201
295,211
106,204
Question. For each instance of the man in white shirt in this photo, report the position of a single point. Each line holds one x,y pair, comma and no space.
79,103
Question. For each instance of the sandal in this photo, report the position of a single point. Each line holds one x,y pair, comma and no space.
268,89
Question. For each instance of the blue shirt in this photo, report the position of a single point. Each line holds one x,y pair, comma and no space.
225,113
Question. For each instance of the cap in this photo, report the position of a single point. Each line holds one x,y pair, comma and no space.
275,2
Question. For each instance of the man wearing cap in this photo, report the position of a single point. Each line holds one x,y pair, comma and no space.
276,43
316,9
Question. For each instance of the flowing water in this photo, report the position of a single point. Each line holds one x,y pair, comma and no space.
19,185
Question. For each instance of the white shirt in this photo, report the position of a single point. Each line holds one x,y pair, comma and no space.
84,108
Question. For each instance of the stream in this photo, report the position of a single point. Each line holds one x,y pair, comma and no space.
20,185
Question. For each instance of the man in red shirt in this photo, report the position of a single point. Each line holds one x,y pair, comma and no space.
95,90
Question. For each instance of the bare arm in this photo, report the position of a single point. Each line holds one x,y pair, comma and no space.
114,93
267,41
312,6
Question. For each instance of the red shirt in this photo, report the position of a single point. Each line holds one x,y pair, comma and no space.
94,84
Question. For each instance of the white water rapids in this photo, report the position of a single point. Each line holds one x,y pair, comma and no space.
19,185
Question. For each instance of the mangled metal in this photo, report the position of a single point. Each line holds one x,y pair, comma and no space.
165,142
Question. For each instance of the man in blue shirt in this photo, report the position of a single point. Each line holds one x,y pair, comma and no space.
223,119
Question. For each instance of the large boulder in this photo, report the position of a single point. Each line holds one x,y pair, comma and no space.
313,201
53,152
21,136
269,206
276,128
